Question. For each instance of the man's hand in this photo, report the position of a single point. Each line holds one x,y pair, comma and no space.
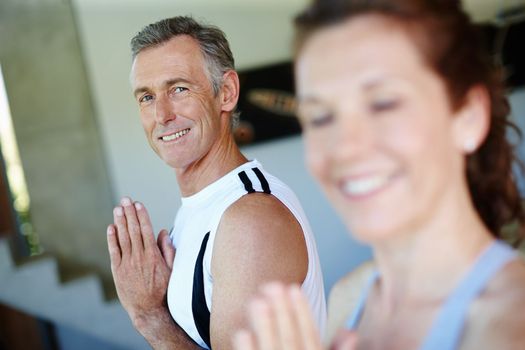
140,266
141,270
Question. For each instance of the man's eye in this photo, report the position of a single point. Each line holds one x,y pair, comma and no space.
145,98
179,89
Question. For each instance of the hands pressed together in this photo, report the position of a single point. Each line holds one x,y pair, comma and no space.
280,318
141,266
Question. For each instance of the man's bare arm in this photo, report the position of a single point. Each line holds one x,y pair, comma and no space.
258,240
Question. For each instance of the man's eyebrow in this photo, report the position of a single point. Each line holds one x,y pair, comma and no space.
139,90
166,83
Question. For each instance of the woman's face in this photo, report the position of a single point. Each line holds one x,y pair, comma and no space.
378,127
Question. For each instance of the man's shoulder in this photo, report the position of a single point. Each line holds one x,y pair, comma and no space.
263,225
259,227
257,211
253,178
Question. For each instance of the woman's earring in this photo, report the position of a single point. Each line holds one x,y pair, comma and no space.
469,145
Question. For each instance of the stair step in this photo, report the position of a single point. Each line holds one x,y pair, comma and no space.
26,285
34,287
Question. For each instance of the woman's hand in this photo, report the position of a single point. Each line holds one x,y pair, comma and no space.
279,319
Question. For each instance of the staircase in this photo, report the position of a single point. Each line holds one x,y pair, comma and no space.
34,288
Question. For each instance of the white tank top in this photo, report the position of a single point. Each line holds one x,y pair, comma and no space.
190,287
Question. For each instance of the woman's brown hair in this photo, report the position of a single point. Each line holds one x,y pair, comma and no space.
454,48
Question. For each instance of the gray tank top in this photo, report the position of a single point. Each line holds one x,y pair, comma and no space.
447,328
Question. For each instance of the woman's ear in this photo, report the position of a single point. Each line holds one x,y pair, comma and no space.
229,91
472,120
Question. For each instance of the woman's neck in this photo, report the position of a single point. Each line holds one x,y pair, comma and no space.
426,264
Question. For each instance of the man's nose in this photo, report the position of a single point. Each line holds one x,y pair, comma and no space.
164,110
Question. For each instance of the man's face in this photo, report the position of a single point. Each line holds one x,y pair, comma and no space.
178,109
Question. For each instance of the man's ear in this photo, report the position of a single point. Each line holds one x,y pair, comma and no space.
472,121
229,91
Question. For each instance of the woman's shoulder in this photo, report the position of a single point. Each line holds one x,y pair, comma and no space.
497,317
507,287
352,283
344,297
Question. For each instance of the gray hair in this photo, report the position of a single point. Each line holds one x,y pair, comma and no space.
212,41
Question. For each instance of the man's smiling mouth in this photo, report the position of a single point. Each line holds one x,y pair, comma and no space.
175,136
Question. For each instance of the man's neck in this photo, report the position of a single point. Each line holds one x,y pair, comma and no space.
214,165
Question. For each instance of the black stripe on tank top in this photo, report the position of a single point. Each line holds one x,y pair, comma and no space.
264,184
201,314
246,181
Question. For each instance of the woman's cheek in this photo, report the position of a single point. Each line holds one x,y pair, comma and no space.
316,161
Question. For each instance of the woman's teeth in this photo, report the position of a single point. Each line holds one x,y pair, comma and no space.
364,186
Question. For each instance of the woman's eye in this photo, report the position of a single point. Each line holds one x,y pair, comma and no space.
383,105
314,116
321,120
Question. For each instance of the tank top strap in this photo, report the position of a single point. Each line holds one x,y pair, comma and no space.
446,330
354,319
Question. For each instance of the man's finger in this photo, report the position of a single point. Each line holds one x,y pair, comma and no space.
146,228
166,247
122,231
132,224
113,247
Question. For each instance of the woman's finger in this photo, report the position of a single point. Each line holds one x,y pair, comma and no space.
243,340
262,325
345,340
303,316
287,330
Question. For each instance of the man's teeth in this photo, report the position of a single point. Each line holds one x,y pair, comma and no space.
365,185
175,135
